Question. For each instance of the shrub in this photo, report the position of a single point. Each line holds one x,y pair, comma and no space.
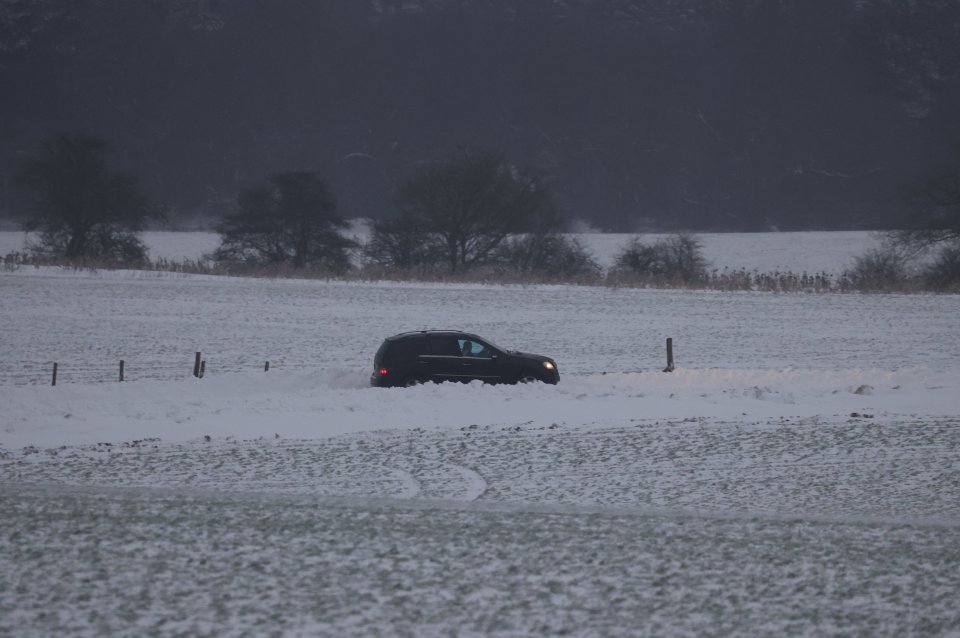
548,255
877,270
672,260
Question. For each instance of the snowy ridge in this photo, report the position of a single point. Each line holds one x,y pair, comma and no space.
333,402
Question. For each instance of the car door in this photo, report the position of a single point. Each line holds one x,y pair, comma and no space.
479,360
442,361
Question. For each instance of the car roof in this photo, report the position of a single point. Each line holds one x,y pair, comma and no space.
417,333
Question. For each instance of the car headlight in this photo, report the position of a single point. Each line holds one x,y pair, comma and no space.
548,365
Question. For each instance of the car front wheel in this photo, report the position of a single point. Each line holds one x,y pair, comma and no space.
528,377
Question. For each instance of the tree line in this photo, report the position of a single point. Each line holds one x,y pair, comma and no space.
468,211
639,114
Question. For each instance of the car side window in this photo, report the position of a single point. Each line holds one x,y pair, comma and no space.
470,348
405,349
444,347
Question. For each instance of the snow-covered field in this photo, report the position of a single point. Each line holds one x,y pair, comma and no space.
799,473
811,252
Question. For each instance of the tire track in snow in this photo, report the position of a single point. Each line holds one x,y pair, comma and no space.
411,487
447,482
887,468
476,484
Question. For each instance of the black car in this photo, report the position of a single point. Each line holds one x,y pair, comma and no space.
412,358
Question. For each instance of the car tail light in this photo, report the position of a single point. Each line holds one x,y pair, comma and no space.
383,372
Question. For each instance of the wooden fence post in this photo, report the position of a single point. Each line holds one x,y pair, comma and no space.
266,367
203,368
54,381
196,366
669,367
121,370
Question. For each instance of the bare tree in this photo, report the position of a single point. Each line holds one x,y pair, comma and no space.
291,220
931,213
403,243
81,209
944,272
470,204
